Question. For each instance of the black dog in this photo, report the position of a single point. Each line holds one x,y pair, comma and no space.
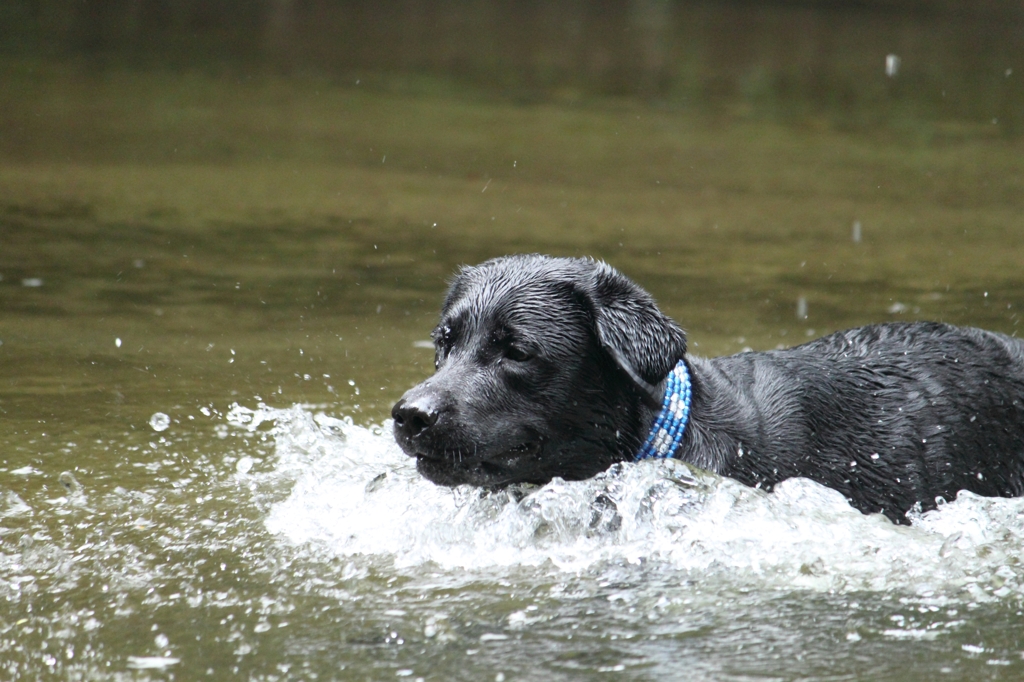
557,367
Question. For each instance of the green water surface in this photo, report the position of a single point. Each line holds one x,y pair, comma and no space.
177,243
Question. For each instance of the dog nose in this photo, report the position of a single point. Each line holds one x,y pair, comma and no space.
413,417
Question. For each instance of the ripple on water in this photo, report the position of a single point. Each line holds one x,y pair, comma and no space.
356,494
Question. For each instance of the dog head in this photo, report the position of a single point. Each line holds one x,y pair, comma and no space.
544,367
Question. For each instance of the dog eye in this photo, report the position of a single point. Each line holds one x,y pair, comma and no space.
517,354
443,343
442,349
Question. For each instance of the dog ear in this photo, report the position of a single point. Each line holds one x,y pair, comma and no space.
644,342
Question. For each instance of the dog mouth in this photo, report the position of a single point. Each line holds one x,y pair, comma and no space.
512,465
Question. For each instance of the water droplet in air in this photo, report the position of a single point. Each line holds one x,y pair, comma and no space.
244,465
892,65
159,421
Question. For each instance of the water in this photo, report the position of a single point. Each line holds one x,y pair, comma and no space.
212,289
306,546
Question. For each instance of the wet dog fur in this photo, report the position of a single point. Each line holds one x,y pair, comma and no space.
552,367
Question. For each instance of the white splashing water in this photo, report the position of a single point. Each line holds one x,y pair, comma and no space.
356,494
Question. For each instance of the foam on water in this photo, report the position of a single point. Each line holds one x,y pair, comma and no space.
355,494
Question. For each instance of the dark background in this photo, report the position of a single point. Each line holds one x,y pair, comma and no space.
784,60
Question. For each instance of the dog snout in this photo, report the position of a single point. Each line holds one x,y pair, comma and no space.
414,416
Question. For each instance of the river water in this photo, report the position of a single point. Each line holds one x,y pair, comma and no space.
213,290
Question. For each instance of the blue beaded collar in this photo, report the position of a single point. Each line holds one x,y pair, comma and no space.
669,425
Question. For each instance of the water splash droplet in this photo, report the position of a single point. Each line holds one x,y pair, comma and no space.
159,421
